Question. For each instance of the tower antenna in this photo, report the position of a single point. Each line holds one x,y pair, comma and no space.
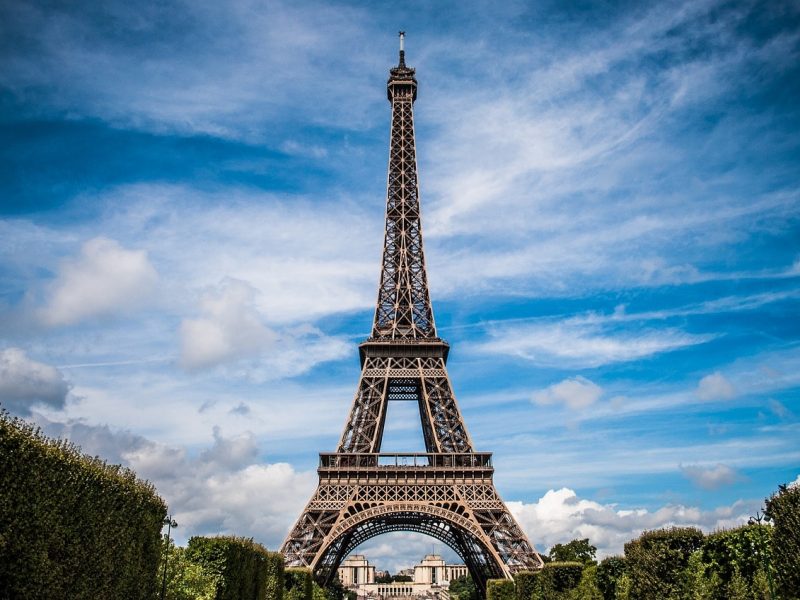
402,49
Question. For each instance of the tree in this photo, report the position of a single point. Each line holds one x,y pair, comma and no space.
187,580
335,589
575,551
609,571
587,587
464,588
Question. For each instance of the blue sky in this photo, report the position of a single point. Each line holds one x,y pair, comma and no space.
192,204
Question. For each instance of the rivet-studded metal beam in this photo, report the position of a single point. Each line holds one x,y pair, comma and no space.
447,492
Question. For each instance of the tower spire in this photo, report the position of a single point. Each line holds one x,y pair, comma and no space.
404,309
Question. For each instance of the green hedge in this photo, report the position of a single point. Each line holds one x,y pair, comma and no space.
298,584
245,570
500,589
556,580
526,583
559,577
71,525
783,509
657,560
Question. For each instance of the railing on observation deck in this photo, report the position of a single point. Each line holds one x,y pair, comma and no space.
365,460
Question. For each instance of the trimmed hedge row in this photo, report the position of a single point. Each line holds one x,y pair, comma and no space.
245,570
500,589
71,525
556,580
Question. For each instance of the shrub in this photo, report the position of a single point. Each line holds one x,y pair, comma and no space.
245,570
73,526
318,593
186,580
500,589
783,509
464,588
732,558
657,562
609,571
587,587
298,584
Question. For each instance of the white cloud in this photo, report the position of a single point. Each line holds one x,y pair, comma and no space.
561,515
104,279
25,383
710,478
795,483
225,488
715,387
576,393
232,331
231,327
577,342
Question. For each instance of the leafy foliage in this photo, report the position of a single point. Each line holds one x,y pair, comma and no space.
527,583
657,562
609,571
559,578
587,588
464,588
298,584
335,589
556,581
244,569
500,589
733,557
575,551
783,509
73,526
187,580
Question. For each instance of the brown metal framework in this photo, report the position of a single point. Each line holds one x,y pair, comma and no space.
447,492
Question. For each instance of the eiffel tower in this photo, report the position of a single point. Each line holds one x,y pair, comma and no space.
446,492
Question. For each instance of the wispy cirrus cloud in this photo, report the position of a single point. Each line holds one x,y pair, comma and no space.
234,70
580,344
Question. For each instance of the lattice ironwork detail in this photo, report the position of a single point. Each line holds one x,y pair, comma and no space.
446,493
420,379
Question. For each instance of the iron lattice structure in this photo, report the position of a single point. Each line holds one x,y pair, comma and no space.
446,492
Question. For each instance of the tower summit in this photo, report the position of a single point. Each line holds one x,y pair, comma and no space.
446,492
